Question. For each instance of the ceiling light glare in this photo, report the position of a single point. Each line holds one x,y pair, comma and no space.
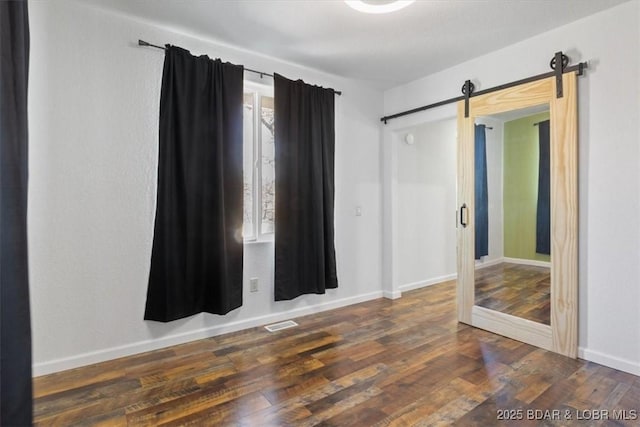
369,7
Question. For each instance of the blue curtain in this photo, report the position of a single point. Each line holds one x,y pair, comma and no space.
482,199
543,217
15,327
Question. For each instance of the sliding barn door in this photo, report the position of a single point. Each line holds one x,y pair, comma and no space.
557,331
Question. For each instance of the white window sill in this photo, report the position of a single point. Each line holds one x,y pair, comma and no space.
258,241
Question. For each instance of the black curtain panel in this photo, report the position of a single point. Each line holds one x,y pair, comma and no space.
481,193
15,323
196,260
305,260
543,214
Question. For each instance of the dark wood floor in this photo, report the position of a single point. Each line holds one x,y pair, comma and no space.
401,363
520,290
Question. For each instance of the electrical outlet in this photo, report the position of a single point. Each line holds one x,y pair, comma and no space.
253,284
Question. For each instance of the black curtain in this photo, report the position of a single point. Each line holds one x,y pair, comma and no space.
15,324
543,214
305,260
196,261
481,193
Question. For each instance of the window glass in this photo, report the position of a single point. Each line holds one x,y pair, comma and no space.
268,161
248,228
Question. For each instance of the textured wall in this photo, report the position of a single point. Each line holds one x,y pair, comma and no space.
94,100
426,203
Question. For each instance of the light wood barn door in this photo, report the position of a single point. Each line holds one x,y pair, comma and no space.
560,335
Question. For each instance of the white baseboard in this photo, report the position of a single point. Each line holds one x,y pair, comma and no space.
44,368
427,282
392,294
531,262
609,361
485,264
521,261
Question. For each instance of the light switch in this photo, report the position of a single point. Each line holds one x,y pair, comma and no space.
358,210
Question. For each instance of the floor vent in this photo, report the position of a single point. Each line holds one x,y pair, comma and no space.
282,325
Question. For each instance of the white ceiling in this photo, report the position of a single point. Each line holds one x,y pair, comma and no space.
386,50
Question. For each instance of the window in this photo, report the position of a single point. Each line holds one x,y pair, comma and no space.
259,159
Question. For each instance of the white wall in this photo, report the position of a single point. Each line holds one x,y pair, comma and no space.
93,102
609,169
426,204
424,201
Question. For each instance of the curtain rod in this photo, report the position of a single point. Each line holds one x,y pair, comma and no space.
578,69
261,73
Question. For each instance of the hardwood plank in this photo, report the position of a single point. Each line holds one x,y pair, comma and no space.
222,414
515,289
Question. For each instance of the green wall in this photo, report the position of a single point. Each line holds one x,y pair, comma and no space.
520,183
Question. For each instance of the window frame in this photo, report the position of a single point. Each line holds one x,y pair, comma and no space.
257,233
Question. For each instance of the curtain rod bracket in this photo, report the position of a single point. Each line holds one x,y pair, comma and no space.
144,43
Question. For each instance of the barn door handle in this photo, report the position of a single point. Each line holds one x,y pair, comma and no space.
464,215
